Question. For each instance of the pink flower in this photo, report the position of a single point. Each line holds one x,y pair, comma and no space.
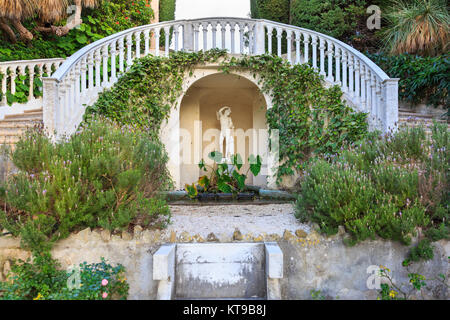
104,295
104,282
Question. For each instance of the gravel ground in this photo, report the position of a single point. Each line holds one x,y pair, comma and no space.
223,219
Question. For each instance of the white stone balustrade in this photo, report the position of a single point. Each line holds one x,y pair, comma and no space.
79,80
10,73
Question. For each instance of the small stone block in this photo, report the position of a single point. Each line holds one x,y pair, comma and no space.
164,262
274,260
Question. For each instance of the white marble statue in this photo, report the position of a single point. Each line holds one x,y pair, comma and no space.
226,132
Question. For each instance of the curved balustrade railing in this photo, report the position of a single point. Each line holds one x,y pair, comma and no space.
85,74
22,77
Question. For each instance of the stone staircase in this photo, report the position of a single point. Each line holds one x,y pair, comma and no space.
218,271
14,125
408,118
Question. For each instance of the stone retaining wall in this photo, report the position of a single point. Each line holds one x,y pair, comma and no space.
311,261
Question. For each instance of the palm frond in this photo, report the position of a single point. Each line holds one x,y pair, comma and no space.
52,10
17,9
420,27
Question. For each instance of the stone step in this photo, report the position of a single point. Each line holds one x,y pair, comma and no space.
9,138
414,114
11,130
19,122
25,116
34,110
420,123
218,271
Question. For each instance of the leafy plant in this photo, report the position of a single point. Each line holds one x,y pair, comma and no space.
386,186
422,79
225,177
41,279
105,175
423,251
401,291
107,18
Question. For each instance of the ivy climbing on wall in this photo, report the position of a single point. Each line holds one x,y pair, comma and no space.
310,118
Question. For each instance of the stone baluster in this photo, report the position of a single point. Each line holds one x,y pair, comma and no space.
67,99
363,86
188,39
344,71
337,56
137,37
289,45
205,35
314,52
13,80
373,87
351,75
379,102
357,94
241,37
31,84
196,37
322,56
269,39
146,42
121,55
83,75
176,34
233,37
71,85
223,29
306,44
330,77
297,47
77,79
130,50
368,90
214,25
113,61
97,69
166,41
279,38
91,71
105,55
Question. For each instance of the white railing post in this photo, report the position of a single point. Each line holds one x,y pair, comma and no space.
390,101
51,105
260,39
188,37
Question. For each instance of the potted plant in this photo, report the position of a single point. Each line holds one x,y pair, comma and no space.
225,181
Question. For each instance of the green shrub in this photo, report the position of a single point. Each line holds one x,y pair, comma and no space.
107,18
103,176
375,187
41,279
275,10
224,177
336,18
418,27
167,10
422,79
423,251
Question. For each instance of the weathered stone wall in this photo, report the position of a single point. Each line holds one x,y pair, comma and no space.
311,262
